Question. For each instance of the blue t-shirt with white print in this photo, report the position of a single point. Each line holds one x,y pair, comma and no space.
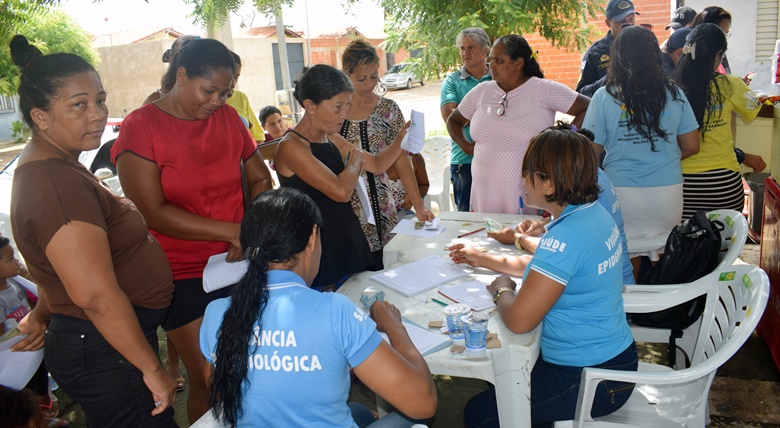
582,250
629,160
608,200
299,372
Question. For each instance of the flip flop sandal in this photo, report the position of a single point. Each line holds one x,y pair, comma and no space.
51,408
181,383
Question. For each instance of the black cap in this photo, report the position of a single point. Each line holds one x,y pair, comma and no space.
618,10
677,39
681,17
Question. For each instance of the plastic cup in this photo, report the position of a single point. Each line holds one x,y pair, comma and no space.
454,313
475,328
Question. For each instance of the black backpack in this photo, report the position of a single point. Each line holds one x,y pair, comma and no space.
692,251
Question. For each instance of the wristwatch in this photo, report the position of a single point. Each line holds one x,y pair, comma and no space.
499,292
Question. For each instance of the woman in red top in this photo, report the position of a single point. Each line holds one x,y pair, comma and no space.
179,159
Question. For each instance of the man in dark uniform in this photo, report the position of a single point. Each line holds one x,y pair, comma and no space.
593,70
671,52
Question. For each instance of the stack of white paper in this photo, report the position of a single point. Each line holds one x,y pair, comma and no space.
424,340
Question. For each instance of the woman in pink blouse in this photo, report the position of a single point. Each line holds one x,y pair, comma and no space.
504,114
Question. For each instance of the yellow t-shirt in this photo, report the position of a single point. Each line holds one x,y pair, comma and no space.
240,102
716,150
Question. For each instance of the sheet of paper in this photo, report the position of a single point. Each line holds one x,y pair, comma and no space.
27,284
17,368
220,274
422,275
472,293
415,136
406,227
424,340
365,201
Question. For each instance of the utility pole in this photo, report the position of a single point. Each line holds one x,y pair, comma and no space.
284,64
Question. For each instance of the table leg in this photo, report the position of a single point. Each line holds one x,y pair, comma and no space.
513,387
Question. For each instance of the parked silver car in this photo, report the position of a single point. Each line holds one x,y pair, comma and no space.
399,76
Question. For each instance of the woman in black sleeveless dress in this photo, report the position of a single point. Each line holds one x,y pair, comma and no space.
316,160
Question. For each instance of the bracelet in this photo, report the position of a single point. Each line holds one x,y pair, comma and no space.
740,155
518,239
499,292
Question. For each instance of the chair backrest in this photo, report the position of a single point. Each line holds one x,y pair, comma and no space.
736,298
436,153
733,309
733,236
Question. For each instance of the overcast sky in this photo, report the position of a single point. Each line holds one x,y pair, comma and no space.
325,16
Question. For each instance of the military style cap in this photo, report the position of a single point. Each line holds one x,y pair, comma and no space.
618,10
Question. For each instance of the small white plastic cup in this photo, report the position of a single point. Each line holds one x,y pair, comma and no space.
475,328
454,313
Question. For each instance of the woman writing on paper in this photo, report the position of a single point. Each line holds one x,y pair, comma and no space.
572,285
315,159
527,235
302,378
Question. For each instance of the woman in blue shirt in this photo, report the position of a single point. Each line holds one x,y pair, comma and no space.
281,352
644,123
572,286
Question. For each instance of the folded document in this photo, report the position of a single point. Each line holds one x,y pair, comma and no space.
220,274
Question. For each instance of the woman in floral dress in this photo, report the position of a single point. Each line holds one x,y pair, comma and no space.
372,123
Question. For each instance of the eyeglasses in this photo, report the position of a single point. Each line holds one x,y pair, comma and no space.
502,103
728,34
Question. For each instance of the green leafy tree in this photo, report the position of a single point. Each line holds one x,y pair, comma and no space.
210,14
432,25
50,29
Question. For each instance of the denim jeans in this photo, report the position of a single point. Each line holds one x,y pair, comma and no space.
111,391
460,176
554,391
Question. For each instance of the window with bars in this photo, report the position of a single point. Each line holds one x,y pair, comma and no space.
767,29
7,104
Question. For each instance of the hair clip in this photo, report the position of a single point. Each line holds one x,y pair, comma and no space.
573,128
535,55
251,253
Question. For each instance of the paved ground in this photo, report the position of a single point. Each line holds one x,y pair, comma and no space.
746,392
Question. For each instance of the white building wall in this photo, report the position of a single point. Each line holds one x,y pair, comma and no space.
741,52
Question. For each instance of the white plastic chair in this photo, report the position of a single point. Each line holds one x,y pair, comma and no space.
436,152
733,237
735,233
736,299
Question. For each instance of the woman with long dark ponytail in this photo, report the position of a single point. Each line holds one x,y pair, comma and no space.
281,352
645,124
711,178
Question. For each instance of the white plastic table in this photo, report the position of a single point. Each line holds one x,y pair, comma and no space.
508,367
